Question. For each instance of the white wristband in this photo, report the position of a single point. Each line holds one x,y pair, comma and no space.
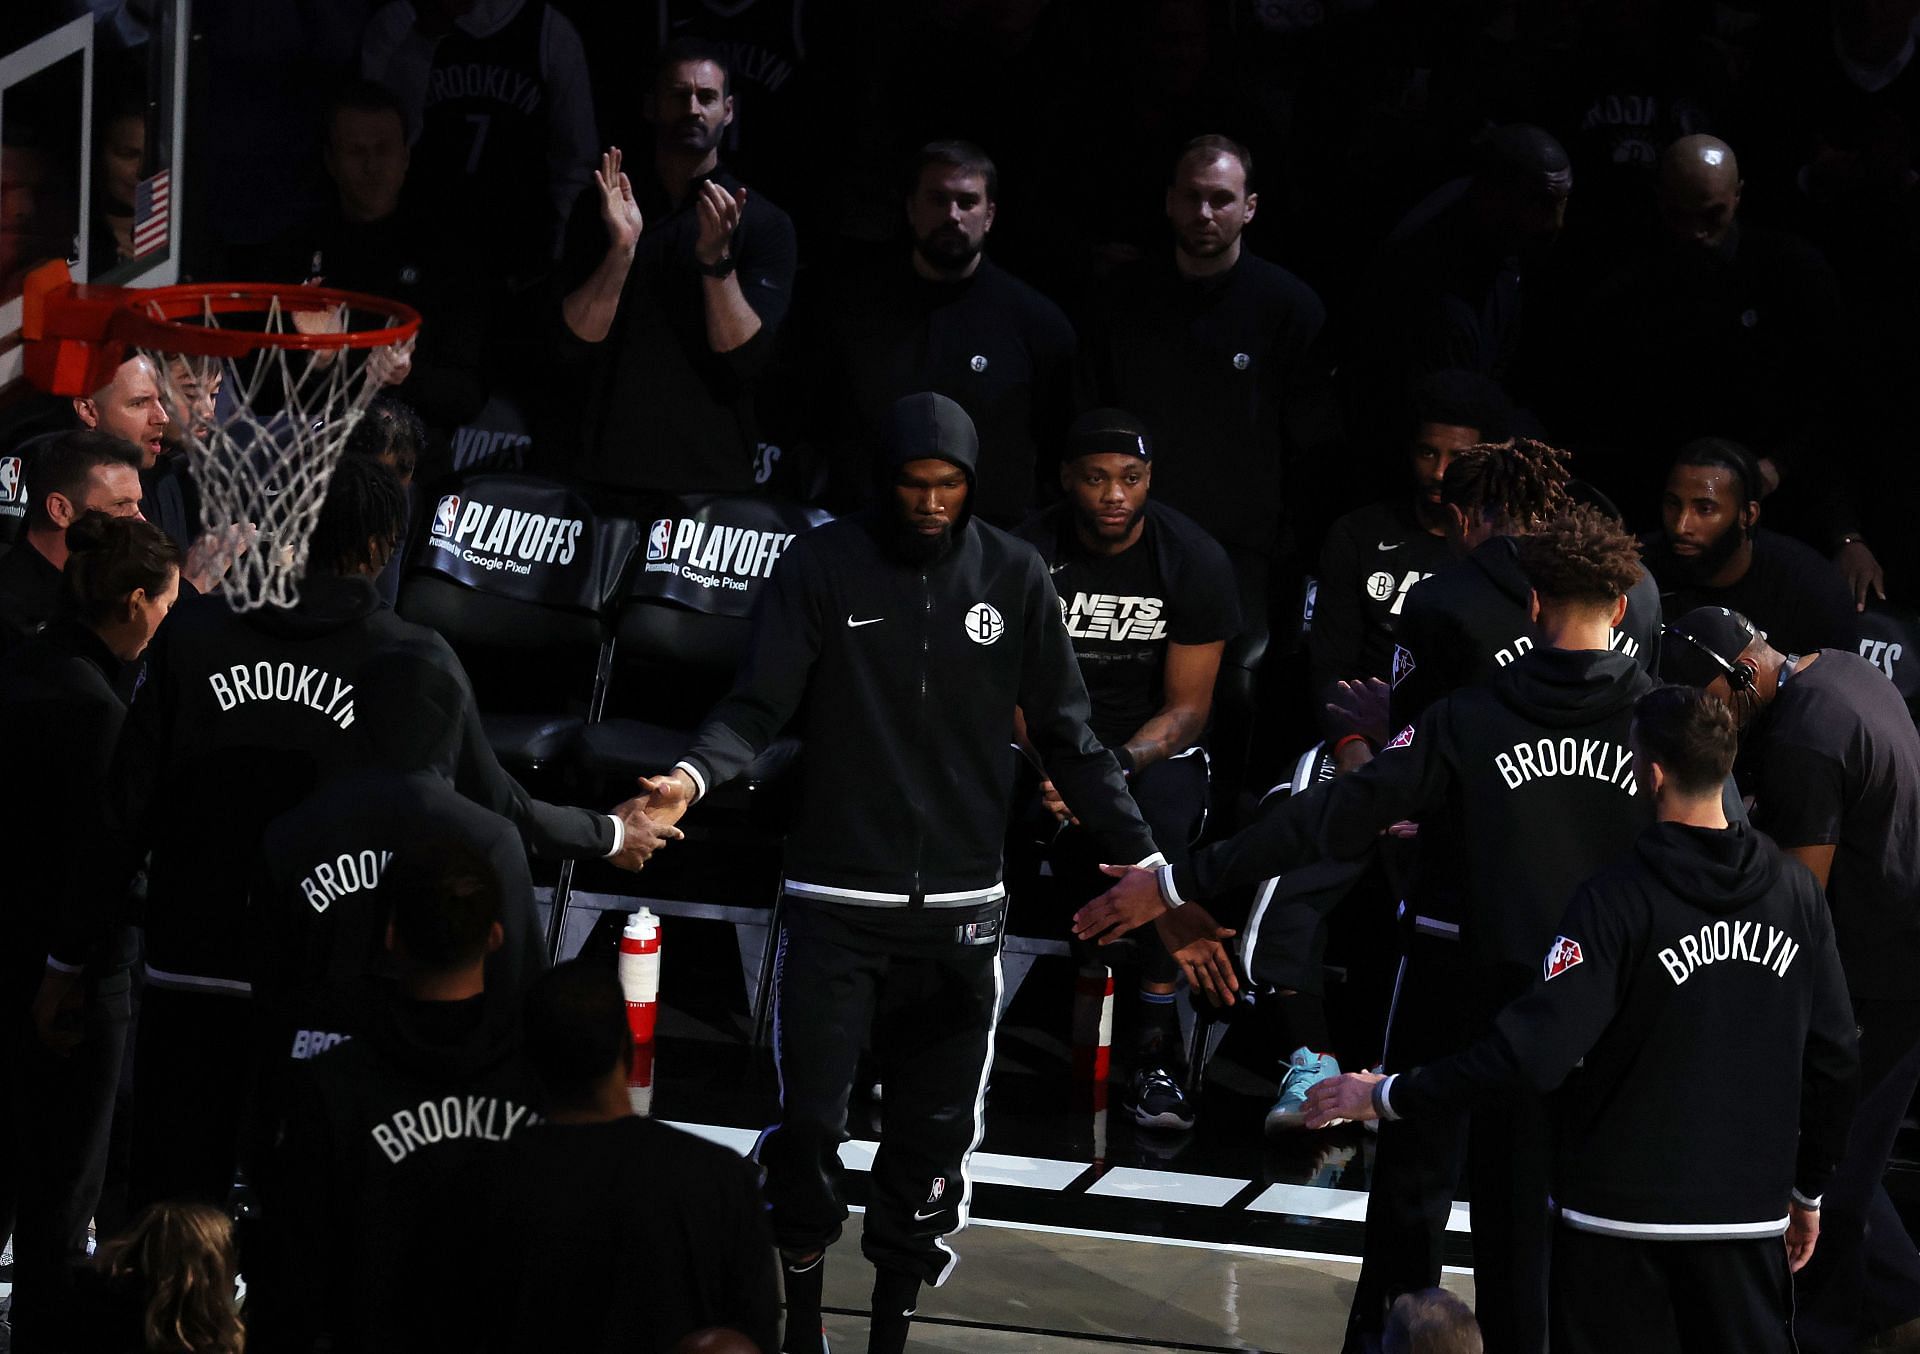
619,836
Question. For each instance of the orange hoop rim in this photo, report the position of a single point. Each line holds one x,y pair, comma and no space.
162,318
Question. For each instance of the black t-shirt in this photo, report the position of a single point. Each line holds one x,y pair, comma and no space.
628,1236
1372,558
1174,585
1837,763
1790,592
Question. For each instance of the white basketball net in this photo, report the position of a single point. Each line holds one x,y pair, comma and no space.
262,452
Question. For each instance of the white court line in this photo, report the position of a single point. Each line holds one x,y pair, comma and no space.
1166,1187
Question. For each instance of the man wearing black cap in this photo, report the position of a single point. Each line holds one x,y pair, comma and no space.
1149,604
900,642
1832,759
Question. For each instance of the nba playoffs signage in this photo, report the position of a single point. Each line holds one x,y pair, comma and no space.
715,551
517,536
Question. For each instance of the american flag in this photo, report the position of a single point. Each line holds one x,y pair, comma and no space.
151,200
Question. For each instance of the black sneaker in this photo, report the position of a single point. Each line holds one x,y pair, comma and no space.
1156,1100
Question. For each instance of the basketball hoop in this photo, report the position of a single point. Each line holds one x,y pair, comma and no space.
298,366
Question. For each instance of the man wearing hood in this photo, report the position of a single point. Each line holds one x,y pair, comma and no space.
1832,759
1522,788
900,641
1700,969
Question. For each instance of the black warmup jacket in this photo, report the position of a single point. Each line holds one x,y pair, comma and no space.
1522,788
210,755
1466,622
391,1154
901,684
1697,975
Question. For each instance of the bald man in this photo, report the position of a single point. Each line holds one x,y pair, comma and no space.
130,407
1699,191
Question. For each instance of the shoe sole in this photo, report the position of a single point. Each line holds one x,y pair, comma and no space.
1285,1121
1165,1119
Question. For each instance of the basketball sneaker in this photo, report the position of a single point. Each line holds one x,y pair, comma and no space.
1305,1070
1156,1101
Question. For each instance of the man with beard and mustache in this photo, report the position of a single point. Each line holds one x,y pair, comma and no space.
672,295
1713,553
1209,352
1149,603
900,642
1832,760
952,321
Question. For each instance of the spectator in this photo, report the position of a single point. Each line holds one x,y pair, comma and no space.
1432,1321
130,406
61,696
1713,552
955,322
118,169
1363,583
210,730
165,1286
382,235
609,1231
500,113
1149,603
1833,761
371,1163
68,475
391,433
676,321
1209,353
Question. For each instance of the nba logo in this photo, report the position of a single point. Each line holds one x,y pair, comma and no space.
12,490
658,538
445,514
1563,956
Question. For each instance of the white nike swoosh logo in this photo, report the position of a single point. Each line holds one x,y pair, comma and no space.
852,624
1395,546
927,1217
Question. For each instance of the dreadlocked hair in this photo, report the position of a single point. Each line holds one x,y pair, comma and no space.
1517,484
1581,556
365,508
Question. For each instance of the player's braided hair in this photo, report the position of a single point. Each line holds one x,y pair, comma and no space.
1517,484
365,505
1582,555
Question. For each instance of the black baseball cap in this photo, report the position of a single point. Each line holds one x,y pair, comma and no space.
1103,432
1704,644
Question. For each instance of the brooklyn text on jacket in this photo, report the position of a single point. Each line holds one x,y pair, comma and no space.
1617,640
712,555
1592,757
350,872
449,1119
1767,946
293,683
497,538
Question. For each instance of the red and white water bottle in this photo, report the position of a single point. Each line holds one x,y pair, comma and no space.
640,973
640,1081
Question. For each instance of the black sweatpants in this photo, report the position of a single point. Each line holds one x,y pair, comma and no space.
64,1119
927,988
1864,1276
192,1080
1613,1294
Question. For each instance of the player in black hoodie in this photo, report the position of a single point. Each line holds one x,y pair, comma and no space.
1700,969
1465,623
902,639
1522,788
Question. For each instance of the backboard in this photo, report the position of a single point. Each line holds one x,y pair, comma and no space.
92,133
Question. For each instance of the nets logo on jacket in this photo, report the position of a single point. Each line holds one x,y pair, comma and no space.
503,538
711,555
1563,955
983,623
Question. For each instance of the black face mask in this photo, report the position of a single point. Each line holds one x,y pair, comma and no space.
1713,558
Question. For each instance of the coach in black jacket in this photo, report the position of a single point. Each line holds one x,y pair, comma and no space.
1700,970
900,642
1522,788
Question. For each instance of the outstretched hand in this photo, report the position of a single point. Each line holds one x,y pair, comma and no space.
1337,1100
1362,708
667,798
619,213
1194,938
1131,903
645,834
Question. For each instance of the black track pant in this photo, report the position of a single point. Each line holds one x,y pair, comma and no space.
192,1077
1616,1295
63,1117
929,995
1864,1277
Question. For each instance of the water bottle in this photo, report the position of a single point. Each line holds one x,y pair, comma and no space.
640,973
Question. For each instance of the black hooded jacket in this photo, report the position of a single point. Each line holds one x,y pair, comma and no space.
317,924
1523,786
1696,979
240,718
392,1148
1468,621
901,681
